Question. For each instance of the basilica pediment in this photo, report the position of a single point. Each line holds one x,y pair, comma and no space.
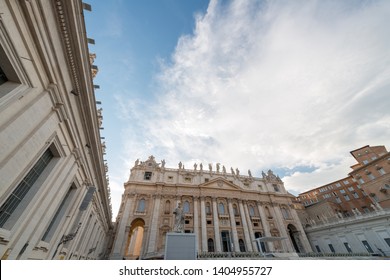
220,183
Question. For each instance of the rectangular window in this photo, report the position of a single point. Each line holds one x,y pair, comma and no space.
371,176
347,247
338,200
342,191
338,185
59,215
9,79
347,197
187,179
365,209
148,175
387,240
361,181
206,180
367,246
7,210
381,171
355,195
374,197
170,178
3,77
351,189
346,182
331,248
318,249
365,161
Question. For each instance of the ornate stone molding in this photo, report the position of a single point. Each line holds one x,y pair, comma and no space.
67,42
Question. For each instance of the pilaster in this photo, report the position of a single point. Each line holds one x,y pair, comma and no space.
248,241
233,225
216,226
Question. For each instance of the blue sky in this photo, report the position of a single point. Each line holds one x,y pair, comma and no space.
291,86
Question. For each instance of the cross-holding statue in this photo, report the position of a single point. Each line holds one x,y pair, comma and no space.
163,163
180,165
179,219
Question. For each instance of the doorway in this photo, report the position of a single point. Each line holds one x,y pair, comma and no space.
226,243
134,240
294,237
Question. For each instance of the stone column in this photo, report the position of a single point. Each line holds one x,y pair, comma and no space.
216,226
233,225
248,241
267,232
203,224
305,242
288,247
196,223
117,252
152,247
250,227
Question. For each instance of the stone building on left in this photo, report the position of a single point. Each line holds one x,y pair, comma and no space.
54,193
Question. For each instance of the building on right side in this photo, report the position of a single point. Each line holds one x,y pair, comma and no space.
372,173
351,215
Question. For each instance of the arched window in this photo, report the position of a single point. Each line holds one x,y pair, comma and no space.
242,245
141,205
186,207
221,208
208,208
235,210
167,209
210,245
251,211
286,213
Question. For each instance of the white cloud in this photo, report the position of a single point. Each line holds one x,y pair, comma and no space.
278,84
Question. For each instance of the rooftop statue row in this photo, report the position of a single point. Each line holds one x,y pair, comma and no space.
151,162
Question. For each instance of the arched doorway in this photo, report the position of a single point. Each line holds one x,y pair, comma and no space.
210,245
294,236
262,244
134,240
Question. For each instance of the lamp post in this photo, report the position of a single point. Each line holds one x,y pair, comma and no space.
66,238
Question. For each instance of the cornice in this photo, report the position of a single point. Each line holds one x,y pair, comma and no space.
67,42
